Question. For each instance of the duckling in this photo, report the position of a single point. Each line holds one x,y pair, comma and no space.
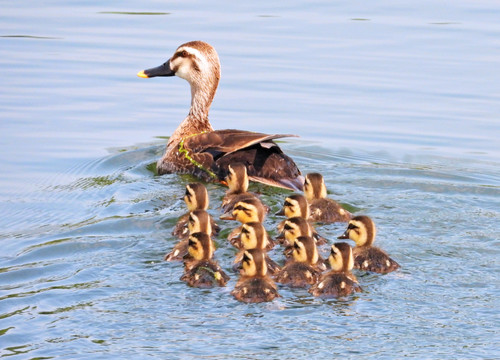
322,208
200,270
245,211
362,231
254,285
296,206
198,221
195,148
339,281
303,270
254,236
196,198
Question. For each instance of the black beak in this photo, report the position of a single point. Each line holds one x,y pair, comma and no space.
162,70
344,235
281,212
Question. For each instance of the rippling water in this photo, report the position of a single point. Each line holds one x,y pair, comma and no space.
397,105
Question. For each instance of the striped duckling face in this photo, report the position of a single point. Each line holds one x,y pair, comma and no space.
254,263
314,187
237,178
305,250
196,197
200,246
254,236
361,229
295,227
341,259
249,210
199,221
296,206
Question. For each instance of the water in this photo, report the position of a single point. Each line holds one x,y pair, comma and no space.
396,104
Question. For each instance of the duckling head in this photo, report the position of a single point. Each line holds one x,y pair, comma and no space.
198,63
254,236
196,197
200,246
341,258
254,263
314,187
199,221
237,178
361,229
249,210
305,250
295,227
295,205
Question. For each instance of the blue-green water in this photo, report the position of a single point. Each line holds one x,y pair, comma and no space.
396,104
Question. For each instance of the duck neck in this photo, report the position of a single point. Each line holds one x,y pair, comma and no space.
197,120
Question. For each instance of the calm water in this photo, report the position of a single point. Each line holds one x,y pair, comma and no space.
396,104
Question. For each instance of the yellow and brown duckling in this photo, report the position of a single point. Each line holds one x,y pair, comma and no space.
254,236
254,285
197,221
323,209
195,148
200,269
237,181
304,269
362,231
339,281
196,198
296,205
292,229
245,211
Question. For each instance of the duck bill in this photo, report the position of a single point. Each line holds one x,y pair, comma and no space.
344,236
227,216
162,70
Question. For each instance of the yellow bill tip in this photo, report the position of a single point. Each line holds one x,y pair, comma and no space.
142,74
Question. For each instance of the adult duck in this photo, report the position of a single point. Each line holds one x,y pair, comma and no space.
195,148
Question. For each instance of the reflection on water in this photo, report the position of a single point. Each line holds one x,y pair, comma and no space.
396,107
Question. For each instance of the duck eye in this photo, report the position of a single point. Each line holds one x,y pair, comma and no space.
351,227
245,231
296,246
287,227
191,243
191,219
287,204
183,53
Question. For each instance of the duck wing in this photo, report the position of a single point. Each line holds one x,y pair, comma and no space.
265,161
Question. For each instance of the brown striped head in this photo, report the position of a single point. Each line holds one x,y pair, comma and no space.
249,210
341,258
237,178
200,246
305,250
198,63
254,236
199,221
296,205
196,197
361,229
314,187
295,227
254,263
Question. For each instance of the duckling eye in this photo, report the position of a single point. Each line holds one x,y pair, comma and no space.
287,227
191,243
191,220
352,227
183,53
245,231
296,246
288,204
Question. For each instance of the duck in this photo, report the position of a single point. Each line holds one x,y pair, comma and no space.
245,211
323,209
196,148
200,270
361,229
339,281
198,221
237,182
254,236
303,270
196,198
254,285
296,205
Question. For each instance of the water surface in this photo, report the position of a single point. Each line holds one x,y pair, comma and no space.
396,104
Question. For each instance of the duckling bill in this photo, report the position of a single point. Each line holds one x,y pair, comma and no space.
195,148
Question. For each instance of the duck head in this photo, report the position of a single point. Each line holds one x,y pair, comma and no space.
361,229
